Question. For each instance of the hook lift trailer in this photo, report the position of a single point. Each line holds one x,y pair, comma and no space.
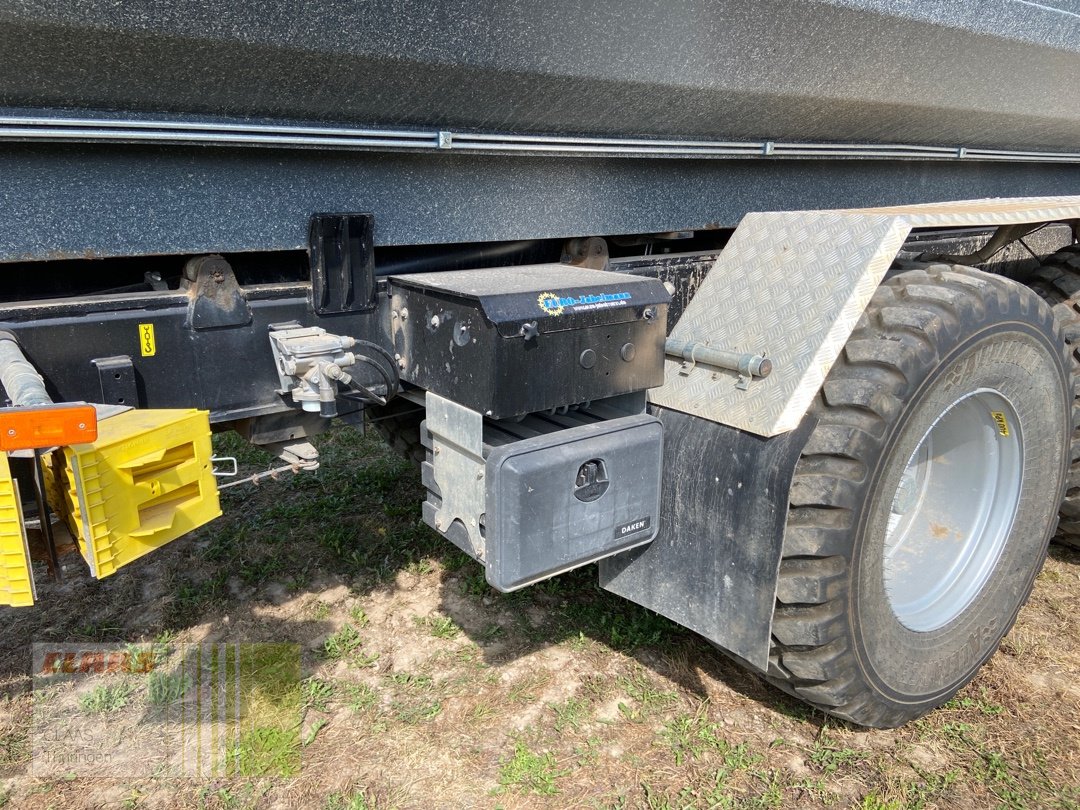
812,398
845,482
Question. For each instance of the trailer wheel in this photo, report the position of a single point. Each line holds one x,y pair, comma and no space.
1057,281
398,422
924,500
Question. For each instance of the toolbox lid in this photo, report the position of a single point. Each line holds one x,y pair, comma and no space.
557,296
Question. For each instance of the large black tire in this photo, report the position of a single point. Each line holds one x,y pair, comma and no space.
398,422
927,338
1057,281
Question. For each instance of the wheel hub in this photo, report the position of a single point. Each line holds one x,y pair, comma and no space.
953,510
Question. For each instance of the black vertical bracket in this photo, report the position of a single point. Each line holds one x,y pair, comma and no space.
342,257
117,378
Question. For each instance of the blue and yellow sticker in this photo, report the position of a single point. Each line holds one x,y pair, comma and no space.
557,304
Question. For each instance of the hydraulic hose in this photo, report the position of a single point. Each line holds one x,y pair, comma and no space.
21,381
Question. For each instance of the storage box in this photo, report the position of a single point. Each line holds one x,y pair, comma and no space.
509,341
555,492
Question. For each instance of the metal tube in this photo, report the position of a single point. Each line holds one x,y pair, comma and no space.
20,379
752,365
45,518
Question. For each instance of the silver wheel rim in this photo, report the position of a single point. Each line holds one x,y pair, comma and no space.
953,510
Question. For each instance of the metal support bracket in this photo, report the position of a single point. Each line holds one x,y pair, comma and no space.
793,285
117,378
342,256
457,437
216,297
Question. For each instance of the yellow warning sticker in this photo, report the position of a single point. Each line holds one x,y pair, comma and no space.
147,345
1002,422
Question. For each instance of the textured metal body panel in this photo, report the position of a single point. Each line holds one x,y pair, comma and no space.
994,73
903,79
714,562
792,285
217,200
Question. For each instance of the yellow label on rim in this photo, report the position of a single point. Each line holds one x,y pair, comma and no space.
1001,421
147,344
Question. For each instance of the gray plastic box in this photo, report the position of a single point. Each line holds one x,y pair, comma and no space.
561,500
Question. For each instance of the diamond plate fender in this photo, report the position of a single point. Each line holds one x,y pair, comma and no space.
792,285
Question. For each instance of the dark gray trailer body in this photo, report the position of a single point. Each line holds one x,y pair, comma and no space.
513,121
995,74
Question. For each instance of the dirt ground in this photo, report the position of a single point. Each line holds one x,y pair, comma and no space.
420,687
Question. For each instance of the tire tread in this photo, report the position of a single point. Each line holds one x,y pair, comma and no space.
812,654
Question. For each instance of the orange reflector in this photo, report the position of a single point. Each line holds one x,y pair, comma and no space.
47,426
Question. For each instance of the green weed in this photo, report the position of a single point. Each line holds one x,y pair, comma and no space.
267,751
343,643
359,697
570,714
313,731
164,688
106,698
439,626
648,697
317,693
410,714
529,772
830,756
357,800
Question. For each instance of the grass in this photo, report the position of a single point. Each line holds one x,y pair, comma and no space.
267,751
526,771
647,698
691,736
355,801
342,644
317,694
570,714
359,697
439,626
106,697
555,696
165,689
830,755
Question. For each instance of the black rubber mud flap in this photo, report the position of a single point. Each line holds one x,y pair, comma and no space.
714,563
